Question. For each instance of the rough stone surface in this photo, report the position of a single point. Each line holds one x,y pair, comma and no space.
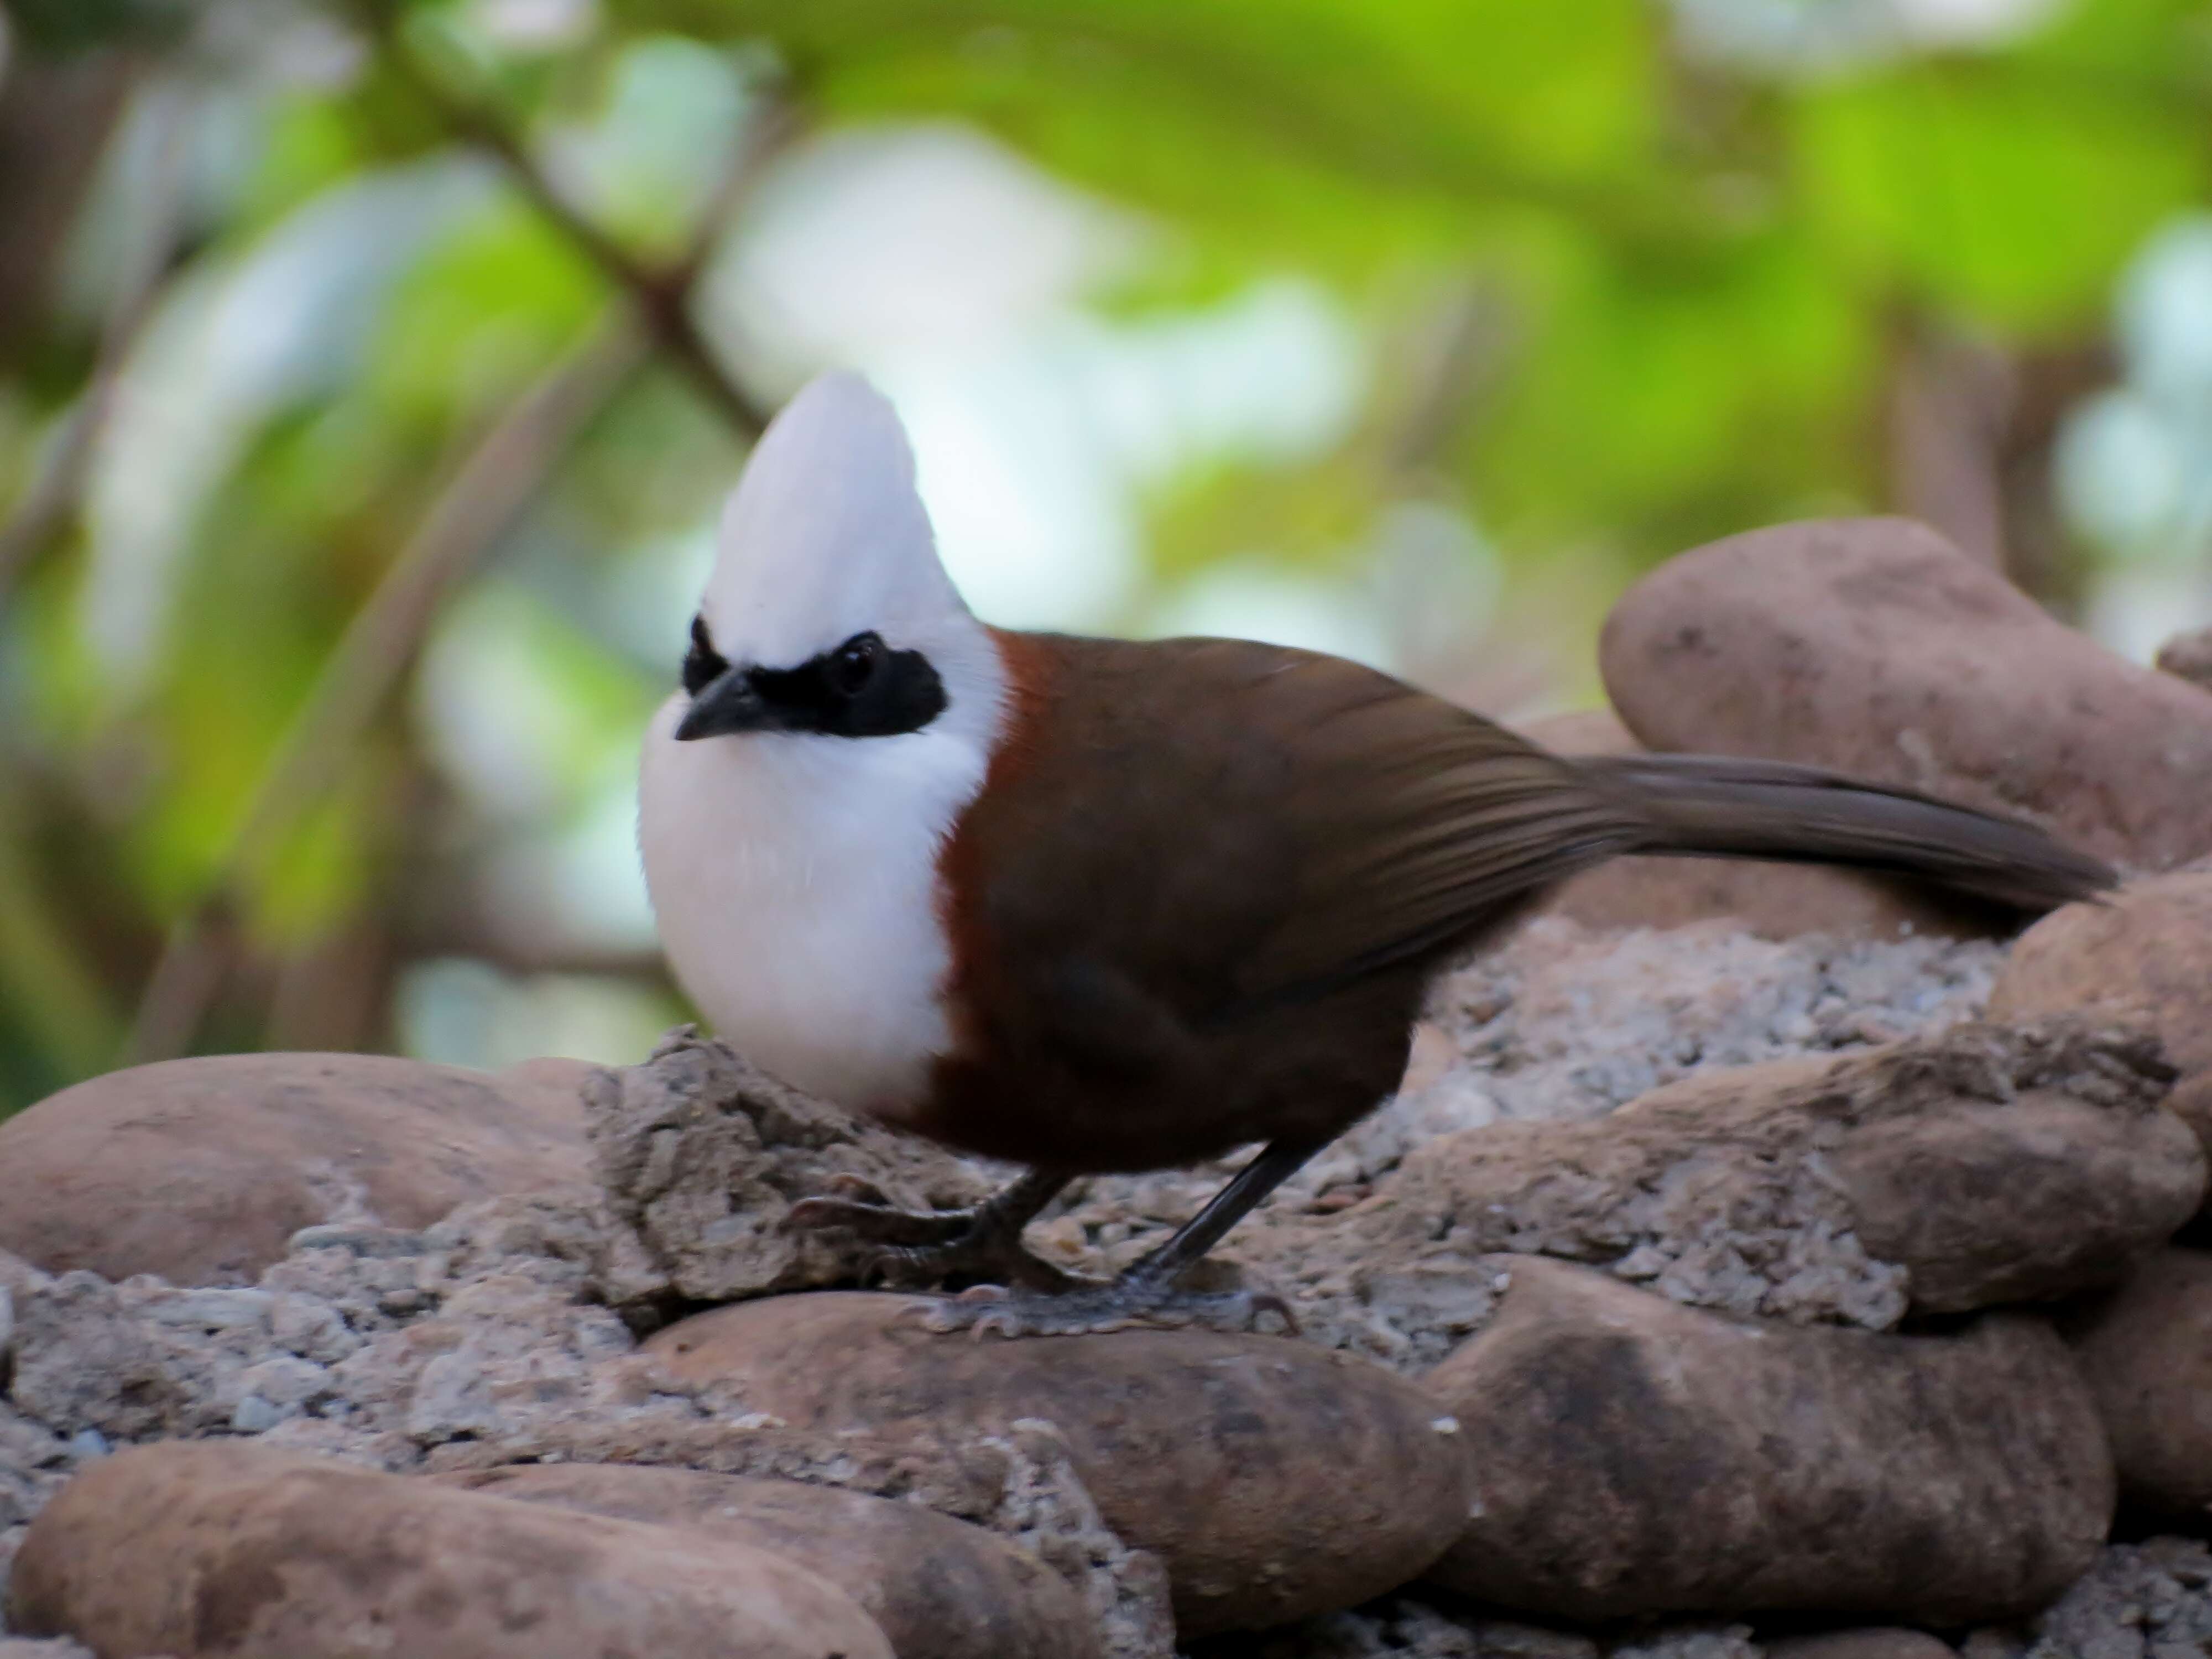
1769,900
2146,1352
1983,1165
1569,1021
1875,646
1204,1449
1561,1022
241,1550
2148,1600
939,1589
1400,1628
202,1170
702,1155
1633,1456
475,1343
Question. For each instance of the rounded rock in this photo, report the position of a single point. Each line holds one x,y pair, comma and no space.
938,1587
2146,1351
206,1547
1875,646
1634,1457
200,1170
2142,955
1208,1449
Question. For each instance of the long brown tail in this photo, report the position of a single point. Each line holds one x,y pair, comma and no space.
1718,806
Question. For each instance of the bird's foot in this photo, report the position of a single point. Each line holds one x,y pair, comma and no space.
927,1247
1088,1305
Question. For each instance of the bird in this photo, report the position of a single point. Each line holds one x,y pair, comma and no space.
1091,905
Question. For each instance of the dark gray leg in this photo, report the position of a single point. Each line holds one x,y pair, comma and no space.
1145,1294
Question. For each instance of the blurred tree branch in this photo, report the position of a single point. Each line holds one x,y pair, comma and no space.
51,502
56,113
662,295
485,496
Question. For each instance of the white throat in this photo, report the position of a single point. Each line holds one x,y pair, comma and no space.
795,882
794,874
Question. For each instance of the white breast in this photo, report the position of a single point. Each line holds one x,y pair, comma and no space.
794,879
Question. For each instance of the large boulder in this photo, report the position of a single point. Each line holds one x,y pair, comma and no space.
938,1587
2146,1351
201,1171
1634,1457
207,1547
1205,1448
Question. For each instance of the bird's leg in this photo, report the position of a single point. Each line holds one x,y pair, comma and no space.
932,1243
1146,1292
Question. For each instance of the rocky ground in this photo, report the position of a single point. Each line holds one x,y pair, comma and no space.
1756,1259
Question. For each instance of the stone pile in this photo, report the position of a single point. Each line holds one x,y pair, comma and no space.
1767,1261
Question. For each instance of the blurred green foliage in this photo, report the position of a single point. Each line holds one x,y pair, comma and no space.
1622,282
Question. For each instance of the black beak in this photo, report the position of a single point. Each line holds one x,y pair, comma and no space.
725,703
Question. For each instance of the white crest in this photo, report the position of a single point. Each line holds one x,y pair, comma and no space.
794,874
825,536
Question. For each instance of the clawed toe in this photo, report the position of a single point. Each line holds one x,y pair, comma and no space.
878,1223
926,1247
1093,1306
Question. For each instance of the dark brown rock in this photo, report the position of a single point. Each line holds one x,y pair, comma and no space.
939,1589
2146,1351
200,1170
215,1547
1875,646
1207,1449
1985,1164
1633,1456
1773,900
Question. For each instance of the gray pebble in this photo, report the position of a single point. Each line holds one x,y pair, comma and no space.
359,1240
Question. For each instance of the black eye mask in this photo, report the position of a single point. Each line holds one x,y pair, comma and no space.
862,688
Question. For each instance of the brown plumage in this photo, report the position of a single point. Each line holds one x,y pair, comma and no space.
1201,893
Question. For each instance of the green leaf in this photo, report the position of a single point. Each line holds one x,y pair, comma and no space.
2004,197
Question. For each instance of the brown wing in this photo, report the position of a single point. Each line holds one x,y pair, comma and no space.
1220,825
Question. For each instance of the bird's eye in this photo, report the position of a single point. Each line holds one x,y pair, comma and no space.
852,665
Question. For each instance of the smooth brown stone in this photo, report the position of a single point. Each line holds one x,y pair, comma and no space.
2146,1351
199,1170
2142,955
1272,1479
1875,646
215,1547
938,1587
1637,1458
